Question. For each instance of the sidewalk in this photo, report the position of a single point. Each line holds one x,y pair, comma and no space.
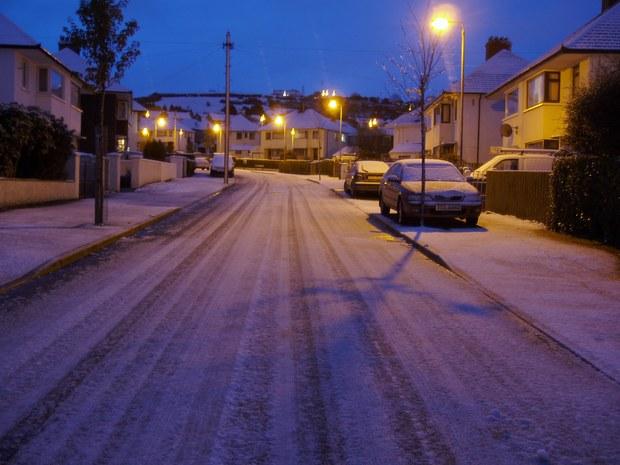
36,240
568,288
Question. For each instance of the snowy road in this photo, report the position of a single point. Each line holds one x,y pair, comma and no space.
275,324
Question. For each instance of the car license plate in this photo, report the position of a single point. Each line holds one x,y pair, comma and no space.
448,207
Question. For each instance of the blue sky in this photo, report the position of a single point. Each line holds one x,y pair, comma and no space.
300,44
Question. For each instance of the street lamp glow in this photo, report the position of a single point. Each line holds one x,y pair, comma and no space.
279,121
263,118
161,122
333,104
440,24
217,128
145,132
147,114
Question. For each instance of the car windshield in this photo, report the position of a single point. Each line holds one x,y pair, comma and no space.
434,172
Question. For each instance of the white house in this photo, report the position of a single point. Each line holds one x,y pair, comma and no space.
176,129
536,97
244,135
32,76
407,136
481,116
302,135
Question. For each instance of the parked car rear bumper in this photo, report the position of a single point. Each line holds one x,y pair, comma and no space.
431,211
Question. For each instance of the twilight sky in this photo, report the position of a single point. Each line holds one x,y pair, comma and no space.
300,44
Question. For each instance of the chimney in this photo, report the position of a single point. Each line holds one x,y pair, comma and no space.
607,4
497,44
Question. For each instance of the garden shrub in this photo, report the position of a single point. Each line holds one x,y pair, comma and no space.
33,143
155,150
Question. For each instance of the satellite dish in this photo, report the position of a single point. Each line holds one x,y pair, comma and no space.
506,130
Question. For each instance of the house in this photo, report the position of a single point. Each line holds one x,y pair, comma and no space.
481,116
244,135
117,109
302,135
176,129
136,139
32,76
407,136
536,97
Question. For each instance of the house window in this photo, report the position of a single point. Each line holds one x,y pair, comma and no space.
437,114
576,80
445,112
43,79
121,143
543,88
24,71
268,136
252,135
122,110
58,84
315,153
75,95
239,135
512,102
315,134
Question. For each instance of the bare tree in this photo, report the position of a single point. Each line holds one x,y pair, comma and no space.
103,39
413,70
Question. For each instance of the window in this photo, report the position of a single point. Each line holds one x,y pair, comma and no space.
58,84
445,112
121,144
239,135
576,80
268,136
437,114
122,110
543,88
43,79
315,134
512,164
512,102
75,95
315,153
252,135
24,71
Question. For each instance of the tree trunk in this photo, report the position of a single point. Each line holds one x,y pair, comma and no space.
99,153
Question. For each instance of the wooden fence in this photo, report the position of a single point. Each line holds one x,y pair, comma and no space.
524,194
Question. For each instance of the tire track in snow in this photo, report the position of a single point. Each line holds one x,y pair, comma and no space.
30,425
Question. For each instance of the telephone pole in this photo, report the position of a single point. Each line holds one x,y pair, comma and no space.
228,45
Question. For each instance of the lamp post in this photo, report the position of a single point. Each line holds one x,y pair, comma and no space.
333,104
441,24
281,121
293,132
217,128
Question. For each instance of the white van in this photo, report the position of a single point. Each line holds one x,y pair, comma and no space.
217,165
514,162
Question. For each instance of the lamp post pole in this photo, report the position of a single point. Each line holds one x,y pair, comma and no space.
462,96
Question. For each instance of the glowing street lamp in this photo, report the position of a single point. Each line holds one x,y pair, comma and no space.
293,132
281,121
334,104
217,128
145,132
441,24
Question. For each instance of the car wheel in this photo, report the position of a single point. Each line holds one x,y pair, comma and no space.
385,210
344,187
400,214
471,220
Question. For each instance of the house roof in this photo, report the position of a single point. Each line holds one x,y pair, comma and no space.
600,35
237,122
12,36
309,119
491,73
406,119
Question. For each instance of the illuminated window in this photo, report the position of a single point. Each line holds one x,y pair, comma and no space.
58,85
543,88
512,102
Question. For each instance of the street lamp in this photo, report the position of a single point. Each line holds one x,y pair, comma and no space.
217,128
442,24
293,132
281,121
333,104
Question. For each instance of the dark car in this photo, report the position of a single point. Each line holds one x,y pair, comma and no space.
364,176
447,192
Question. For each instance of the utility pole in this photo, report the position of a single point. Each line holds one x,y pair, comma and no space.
228,45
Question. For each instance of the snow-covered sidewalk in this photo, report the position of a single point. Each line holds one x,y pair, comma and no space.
567,287
35,240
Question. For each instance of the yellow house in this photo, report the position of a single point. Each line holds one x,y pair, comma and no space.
536,97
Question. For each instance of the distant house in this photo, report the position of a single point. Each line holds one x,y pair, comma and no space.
481,116
305,135
117,109
32,76
244,135
407,136
176,129
536,97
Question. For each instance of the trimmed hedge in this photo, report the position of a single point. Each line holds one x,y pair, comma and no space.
155,150
585,198
295,166
33,143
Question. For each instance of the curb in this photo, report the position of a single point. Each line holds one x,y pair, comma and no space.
75,255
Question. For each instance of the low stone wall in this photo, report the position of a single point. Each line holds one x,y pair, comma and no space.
144,171
21,192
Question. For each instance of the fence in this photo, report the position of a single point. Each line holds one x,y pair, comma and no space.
524,194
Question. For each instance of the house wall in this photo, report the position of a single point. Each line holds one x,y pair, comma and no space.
7,83
407,133
326,144
144,171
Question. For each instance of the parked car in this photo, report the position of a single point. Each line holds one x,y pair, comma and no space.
514,162
217,165
447,192
364,176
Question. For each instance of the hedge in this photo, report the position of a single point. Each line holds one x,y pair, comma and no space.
33,143
585,198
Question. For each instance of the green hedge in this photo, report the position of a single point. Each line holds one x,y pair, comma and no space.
257,163
33,143
585,198
295,166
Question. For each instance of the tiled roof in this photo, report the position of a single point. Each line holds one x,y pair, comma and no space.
309,119
406,119
601,34
491,73
237,122
12,35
